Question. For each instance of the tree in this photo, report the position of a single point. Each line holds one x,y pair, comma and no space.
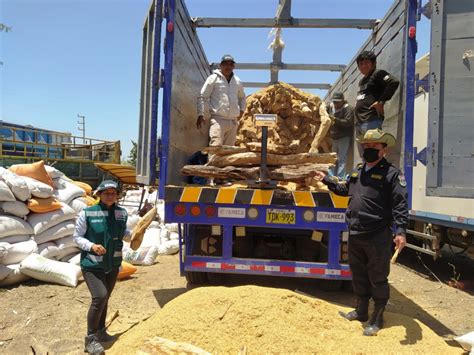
132,157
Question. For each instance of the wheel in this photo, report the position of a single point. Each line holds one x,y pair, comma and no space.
331,285
196,278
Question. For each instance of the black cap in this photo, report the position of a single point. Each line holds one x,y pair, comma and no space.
227,58
337,97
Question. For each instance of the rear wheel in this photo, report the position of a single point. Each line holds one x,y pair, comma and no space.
196,278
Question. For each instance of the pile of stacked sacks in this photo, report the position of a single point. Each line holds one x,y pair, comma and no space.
38,206
159,238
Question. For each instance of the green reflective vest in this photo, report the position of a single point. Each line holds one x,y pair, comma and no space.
105,226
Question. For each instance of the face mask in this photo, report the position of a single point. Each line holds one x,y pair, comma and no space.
370,155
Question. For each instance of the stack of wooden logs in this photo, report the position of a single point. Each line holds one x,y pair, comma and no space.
302,122
302,125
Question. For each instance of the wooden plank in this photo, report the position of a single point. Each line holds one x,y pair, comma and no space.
294,173
252,158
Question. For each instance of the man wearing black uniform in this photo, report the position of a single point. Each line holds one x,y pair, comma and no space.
375,88
377,200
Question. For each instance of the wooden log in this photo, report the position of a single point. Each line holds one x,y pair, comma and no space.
294,173
272,149
323,128
222,150
228,172
253,158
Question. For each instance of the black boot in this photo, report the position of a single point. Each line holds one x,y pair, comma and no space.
93,345
104,337
376,321
361,313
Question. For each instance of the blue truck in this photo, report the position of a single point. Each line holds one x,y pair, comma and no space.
301,233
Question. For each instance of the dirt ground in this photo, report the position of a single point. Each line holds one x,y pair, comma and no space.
40,318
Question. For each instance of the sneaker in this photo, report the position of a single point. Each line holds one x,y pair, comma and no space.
93,346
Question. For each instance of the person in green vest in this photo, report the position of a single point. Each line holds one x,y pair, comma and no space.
99,233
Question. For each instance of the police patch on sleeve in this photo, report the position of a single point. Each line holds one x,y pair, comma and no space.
401,180
386,77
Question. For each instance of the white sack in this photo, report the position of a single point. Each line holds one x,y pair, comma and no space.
15,208
142,256
160,209
16,239
67,252
78,204
59,184
58,231
74,254
48,250
14,277
65,242
69,192
168,248
133,196
53,172
174,236
4,272
151,237
15,253
10,225
52,271
76,259
16,183
5,193
172,227
466,341
154,224
132,221
37,188
43,221
165,235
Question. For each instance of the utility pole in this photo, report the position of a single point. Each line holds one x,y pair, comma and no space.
83,128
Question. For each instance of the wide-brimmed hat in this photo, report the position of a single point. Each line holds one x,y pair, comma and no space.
377,136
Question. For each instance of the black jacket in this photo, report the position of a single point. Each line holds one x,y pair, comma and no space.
343,124
377,198
378,86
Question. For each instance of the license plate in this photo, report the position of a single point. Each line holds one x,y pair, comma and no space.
280,216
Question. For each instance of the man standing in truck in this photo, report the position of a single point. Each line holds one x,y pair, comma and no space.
375,88
377,200
341,131
222,100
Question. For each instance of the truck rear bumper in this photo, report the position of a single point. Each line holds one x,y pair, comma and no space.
267,267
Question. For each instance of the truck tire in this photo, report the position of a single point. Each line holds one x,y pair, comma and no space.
196,278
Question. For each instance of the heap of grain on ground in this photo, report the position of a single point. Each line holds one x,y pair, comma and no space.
268,320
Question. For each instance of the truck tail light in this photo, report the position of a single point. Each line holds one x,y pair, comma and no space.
195,211
180,210
210,211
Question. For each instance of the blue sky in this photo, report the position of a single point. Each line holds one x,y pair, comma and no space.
64,58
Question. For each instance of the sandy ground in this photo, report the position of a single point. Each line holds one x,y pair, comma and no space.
39,318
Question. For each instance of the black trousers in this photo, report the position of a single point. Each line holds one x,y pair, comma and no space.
369,259
100,285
